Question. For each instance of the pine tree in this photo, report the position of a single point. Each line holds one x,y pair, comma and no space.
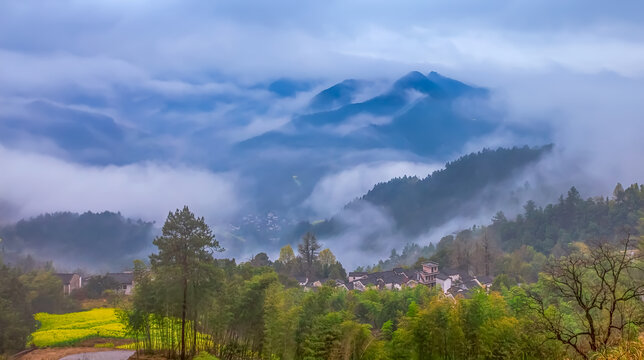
185,255
308,250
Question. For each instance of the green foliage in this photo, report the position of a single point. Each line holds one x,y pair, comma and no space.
252,311
182,275
104,345
592,298
44,292
15,313
252,315
551,228
308,250
21,295
95,286
286,254
416,204
205,356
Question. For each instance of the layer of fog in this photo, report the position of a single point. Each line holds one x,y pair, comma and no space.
372,233
336,190
33,184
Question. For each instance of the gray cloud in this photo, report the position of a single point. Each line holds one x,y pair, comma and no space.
334,191
36,184
252,39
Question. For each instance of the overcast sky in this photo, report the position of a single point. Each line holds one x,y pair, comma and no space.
196,41
576,66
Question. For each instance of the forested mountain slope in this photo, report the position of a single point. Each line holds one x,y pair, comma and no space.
74,240
517,247
416,205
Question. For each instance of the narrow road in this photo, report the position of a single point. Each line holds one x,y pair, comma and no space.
102,355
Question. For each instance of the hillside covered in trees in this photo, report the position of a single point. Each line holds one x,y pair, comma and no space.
417,205
519,246
90,240
584,303
578,298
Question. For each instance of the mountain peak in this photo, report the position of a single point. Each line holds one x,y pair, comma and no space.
451,86
337,95
416,81
286,87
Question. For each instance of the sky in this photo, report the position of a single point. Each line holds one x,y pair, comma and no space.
135,68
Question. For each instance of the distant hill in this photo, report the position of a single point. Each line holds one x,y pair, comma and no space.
416,205
90,240
417,113
338,95
417,116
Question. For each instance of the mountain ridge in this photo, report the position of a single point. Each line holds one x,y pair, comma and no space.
417,205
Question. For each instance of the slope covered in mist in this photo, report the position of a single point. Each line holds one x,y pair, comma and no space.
104,240
416,205
420,117
417,113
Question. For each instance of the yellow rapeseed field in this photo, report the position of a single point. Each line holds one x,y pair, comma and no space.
67,329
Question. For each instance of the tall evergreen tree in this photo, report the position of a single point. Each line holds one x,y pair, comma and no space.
185,253
308,250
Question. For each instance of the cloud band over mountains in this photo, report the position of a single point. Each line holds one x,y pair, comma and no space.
139,106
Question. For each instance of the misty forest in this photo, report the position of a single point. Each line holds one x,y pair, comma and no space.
331,180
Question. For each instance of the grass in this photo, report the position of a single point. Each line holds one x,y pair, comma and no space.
69,329
89,304
104,345
625,350
204,356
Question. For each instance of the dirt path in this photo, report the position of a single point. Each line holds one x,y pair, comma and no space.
57,353
103,355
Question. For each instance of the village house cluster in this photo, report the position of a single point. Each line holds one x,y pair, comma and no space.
451,282
73,281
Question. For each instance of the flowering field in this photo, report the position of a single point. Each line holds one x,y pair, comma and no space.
67,329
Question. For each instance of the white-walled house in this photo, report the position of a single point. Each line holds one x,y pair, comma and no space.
444,281
125,281
70,282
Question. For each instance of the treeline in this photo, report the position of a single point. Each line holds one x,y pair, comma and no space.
25,289
514,250
79,240
416,205
252,315
550,228
583,304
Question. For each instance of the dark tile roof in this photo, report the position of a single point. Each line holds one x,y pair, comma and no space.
465,277
450,272
387,277
370,280
485,279
411,274
471,284
358,273
122,278
442,276
65,278
455,290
